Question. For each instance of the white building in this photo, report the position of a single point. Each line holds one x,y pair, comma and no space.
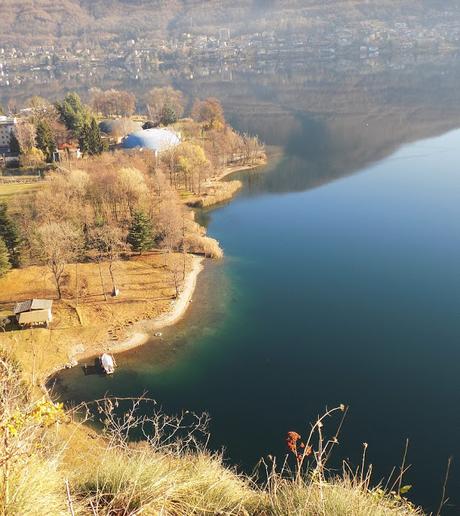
155,139
6,126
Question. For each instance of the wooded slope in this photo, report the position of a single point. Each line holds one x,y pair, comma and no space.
46,21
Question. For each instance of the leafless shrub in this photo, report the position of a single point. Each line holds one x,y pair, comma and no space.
124,418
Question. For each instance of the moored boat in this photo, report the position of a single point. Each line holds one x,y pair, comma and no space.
107,363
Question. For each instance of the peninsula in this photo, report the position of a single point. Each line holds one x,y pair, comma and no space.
100,220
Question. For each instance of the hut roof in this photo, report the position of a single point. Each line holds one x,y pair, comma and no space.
32,304
37,316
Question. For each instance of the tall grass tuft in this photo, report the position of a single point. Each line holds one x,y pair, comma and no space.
29,479
346,495
36,487
124,481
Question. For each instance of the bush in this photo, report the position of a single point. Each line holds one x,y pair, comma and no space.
125,481
4,258
209,247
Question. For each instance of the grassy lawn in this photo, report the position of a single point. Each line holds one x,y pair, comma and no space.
8,191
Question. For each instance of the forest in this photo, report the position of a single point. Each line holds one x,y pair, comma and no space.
113,202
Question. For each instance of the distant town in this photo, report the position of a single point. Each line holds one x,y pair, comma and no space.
371,41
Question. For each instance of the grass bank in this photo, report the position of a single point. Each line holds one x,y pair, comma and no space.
9,191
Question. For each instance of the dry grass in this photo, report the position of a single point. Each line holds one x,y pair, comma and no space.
37,488
216,193
125,481
207,246
346,495
109,475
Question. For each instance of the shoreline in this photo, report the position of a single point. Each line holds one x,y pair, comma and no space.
140,333
237,168
220,191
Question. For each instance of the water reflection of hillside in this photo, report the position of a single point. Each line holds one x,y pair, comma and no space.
333,124
332,118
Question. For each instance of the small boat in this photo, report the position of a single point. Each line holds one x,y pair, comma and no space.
107,363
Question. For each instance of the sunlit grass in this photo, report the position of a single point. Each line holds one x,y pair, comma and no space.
10,190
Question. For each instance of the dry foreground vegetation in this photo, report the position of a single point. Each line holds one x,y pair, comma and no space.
52,464
111,238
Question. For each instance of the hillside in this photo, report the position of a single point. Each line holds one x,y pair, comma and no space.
45,22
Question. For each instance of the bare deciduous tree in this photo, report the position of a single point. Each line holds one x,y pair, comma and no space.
25,134
60,243
158,99
113,102
209,112
108,242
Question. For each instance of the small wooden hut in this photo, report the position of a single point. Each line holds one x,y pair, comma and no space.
34,312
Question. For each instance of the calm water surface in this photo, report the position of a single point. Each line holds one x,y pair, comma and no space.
336,288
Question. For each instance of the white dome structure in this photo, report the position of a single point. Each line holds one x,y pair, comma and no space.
155,139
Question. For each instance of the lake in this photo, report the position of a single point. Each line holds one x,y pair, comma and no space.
341,282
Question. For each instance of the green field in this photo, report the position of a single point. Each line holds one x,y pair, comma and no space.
8,191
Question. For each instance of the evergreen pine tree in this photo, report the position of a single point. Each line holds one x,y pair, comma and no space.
72,112
45,140
90,139
4,258
15,148
168,115
84,139
95,141
140,234
10,235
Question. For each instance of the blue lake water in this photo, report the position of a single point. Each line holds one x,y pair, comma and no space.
333,291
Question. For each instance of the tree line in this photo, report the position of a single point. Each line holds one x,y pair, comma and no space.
43,126
112,204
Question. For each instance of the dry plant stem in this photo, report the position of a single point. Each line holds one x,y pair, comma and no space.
387,483
177,433
444,488
319,455
6,474
69,498
363,462
335,439
402,471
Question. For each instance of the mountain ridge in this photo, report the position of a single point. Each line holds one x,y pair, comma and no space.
42,22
